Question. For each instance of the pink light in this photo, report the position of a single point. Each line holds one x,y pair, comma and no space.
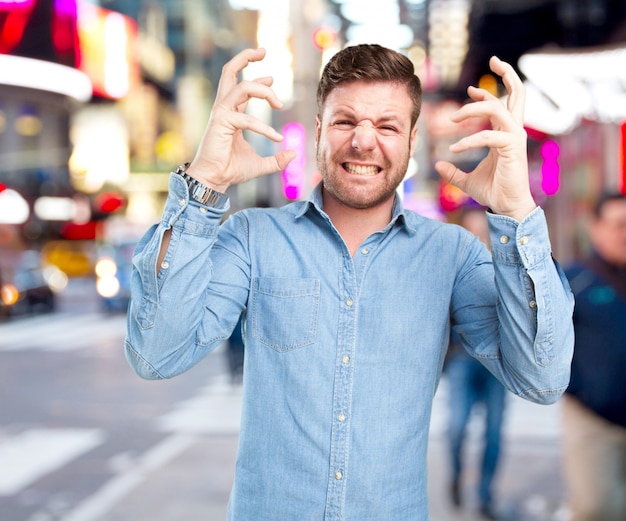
65,7
550,150
294,175
550,168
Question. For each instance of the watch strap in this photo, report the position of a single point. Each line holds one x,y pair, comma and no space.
200,192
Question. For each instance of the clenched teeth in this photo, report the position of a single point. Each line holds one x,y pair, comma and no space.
361,169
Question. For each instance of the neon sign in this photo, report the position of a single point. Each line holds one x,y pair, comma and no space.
550,168
294,174
43,30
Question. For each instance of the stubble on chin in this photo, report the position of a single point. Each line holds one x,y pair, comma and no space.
349,192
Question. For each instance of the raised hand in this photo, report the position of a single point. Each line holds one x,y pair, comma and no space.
500,180
224,157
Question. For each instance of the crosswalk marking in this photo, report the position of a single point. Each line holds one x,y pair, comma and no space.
60,331
117,488
26,457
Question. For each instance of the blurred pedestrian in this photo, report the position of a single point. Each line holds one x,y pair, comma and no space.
348,296
594,406
471,384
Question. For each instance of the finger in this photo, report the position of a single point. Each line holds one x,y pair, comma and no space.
238,98
451,174
276,163
266,83
240,121
514,86
265,80
478,94
484,138
232,69
282,159
491,112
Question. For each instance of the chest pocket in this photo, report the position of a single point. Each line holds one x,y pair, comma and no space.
285,312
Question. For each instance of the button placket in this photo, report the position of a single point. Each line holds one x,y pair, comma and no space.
342,392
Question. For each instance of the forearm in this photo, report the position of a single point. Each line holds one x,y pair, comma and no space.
534,312
165,244
171,271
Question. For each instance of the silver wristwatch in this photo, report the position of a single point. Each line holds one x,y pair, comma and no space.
202,193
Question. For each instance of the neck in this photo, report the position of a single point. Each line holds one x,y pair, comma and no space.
355,224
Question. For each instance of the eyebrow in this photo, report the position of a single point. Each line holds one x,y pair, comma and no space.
385,118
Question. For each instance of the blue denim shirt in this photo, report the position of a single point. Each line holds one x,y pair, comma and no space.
344,354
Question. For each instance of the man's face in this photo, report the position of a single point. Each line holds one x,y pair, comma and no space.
608,233
364,142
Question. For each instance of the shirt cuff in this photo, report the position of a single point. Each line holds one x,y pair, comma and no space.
526,242
192,216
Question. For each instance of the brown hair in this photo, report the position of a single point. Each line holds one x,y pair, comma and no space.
370,62
606,197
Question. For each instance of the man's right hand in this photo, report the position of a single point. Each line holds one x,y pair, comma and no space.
224,157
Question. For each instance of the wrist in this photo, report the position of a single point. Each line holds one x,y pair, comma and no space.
519,214
201,192
519,211
196,171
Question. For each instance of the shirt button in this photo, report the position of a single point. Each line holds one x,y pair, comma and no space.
349,302
532,304
181,202
365,251
504,239
204,210
165,265
524,240
341,417
338,475
345,359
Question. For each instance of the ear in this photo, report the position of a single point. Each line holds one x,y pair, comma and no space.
413,140
318,129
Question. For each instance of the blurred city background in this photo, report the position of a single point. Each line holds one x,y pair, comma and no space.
99,101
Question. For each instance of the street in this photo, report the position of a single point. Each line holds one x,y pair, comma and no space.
82,438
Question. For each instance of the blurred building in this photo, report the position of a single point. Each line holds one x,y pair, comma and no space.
40,87
126,87
203,36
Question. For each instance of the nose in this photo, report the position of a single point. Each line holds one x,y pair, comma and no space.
364,136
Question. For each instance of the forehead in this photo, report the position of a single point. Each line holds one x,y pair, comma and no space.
614,211
361,98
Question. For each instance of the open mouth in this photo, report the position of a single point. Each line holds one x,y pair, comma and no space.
363,170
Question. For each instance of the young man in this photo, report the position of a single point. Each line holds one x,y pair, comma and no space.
594,409
347,297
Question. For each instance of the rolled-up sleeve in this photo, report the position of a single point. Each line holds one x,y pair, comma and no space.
165,307
534,308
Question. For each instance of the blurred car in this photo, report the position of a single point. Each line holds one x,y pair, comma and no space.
74,258
113,268
27,286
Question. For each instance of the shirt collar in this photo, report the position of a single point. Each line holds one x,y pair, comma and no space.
398,214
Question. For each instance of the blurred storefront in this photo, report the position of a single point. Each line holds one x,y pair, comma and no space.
126,87
576,116
40,87
82,95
